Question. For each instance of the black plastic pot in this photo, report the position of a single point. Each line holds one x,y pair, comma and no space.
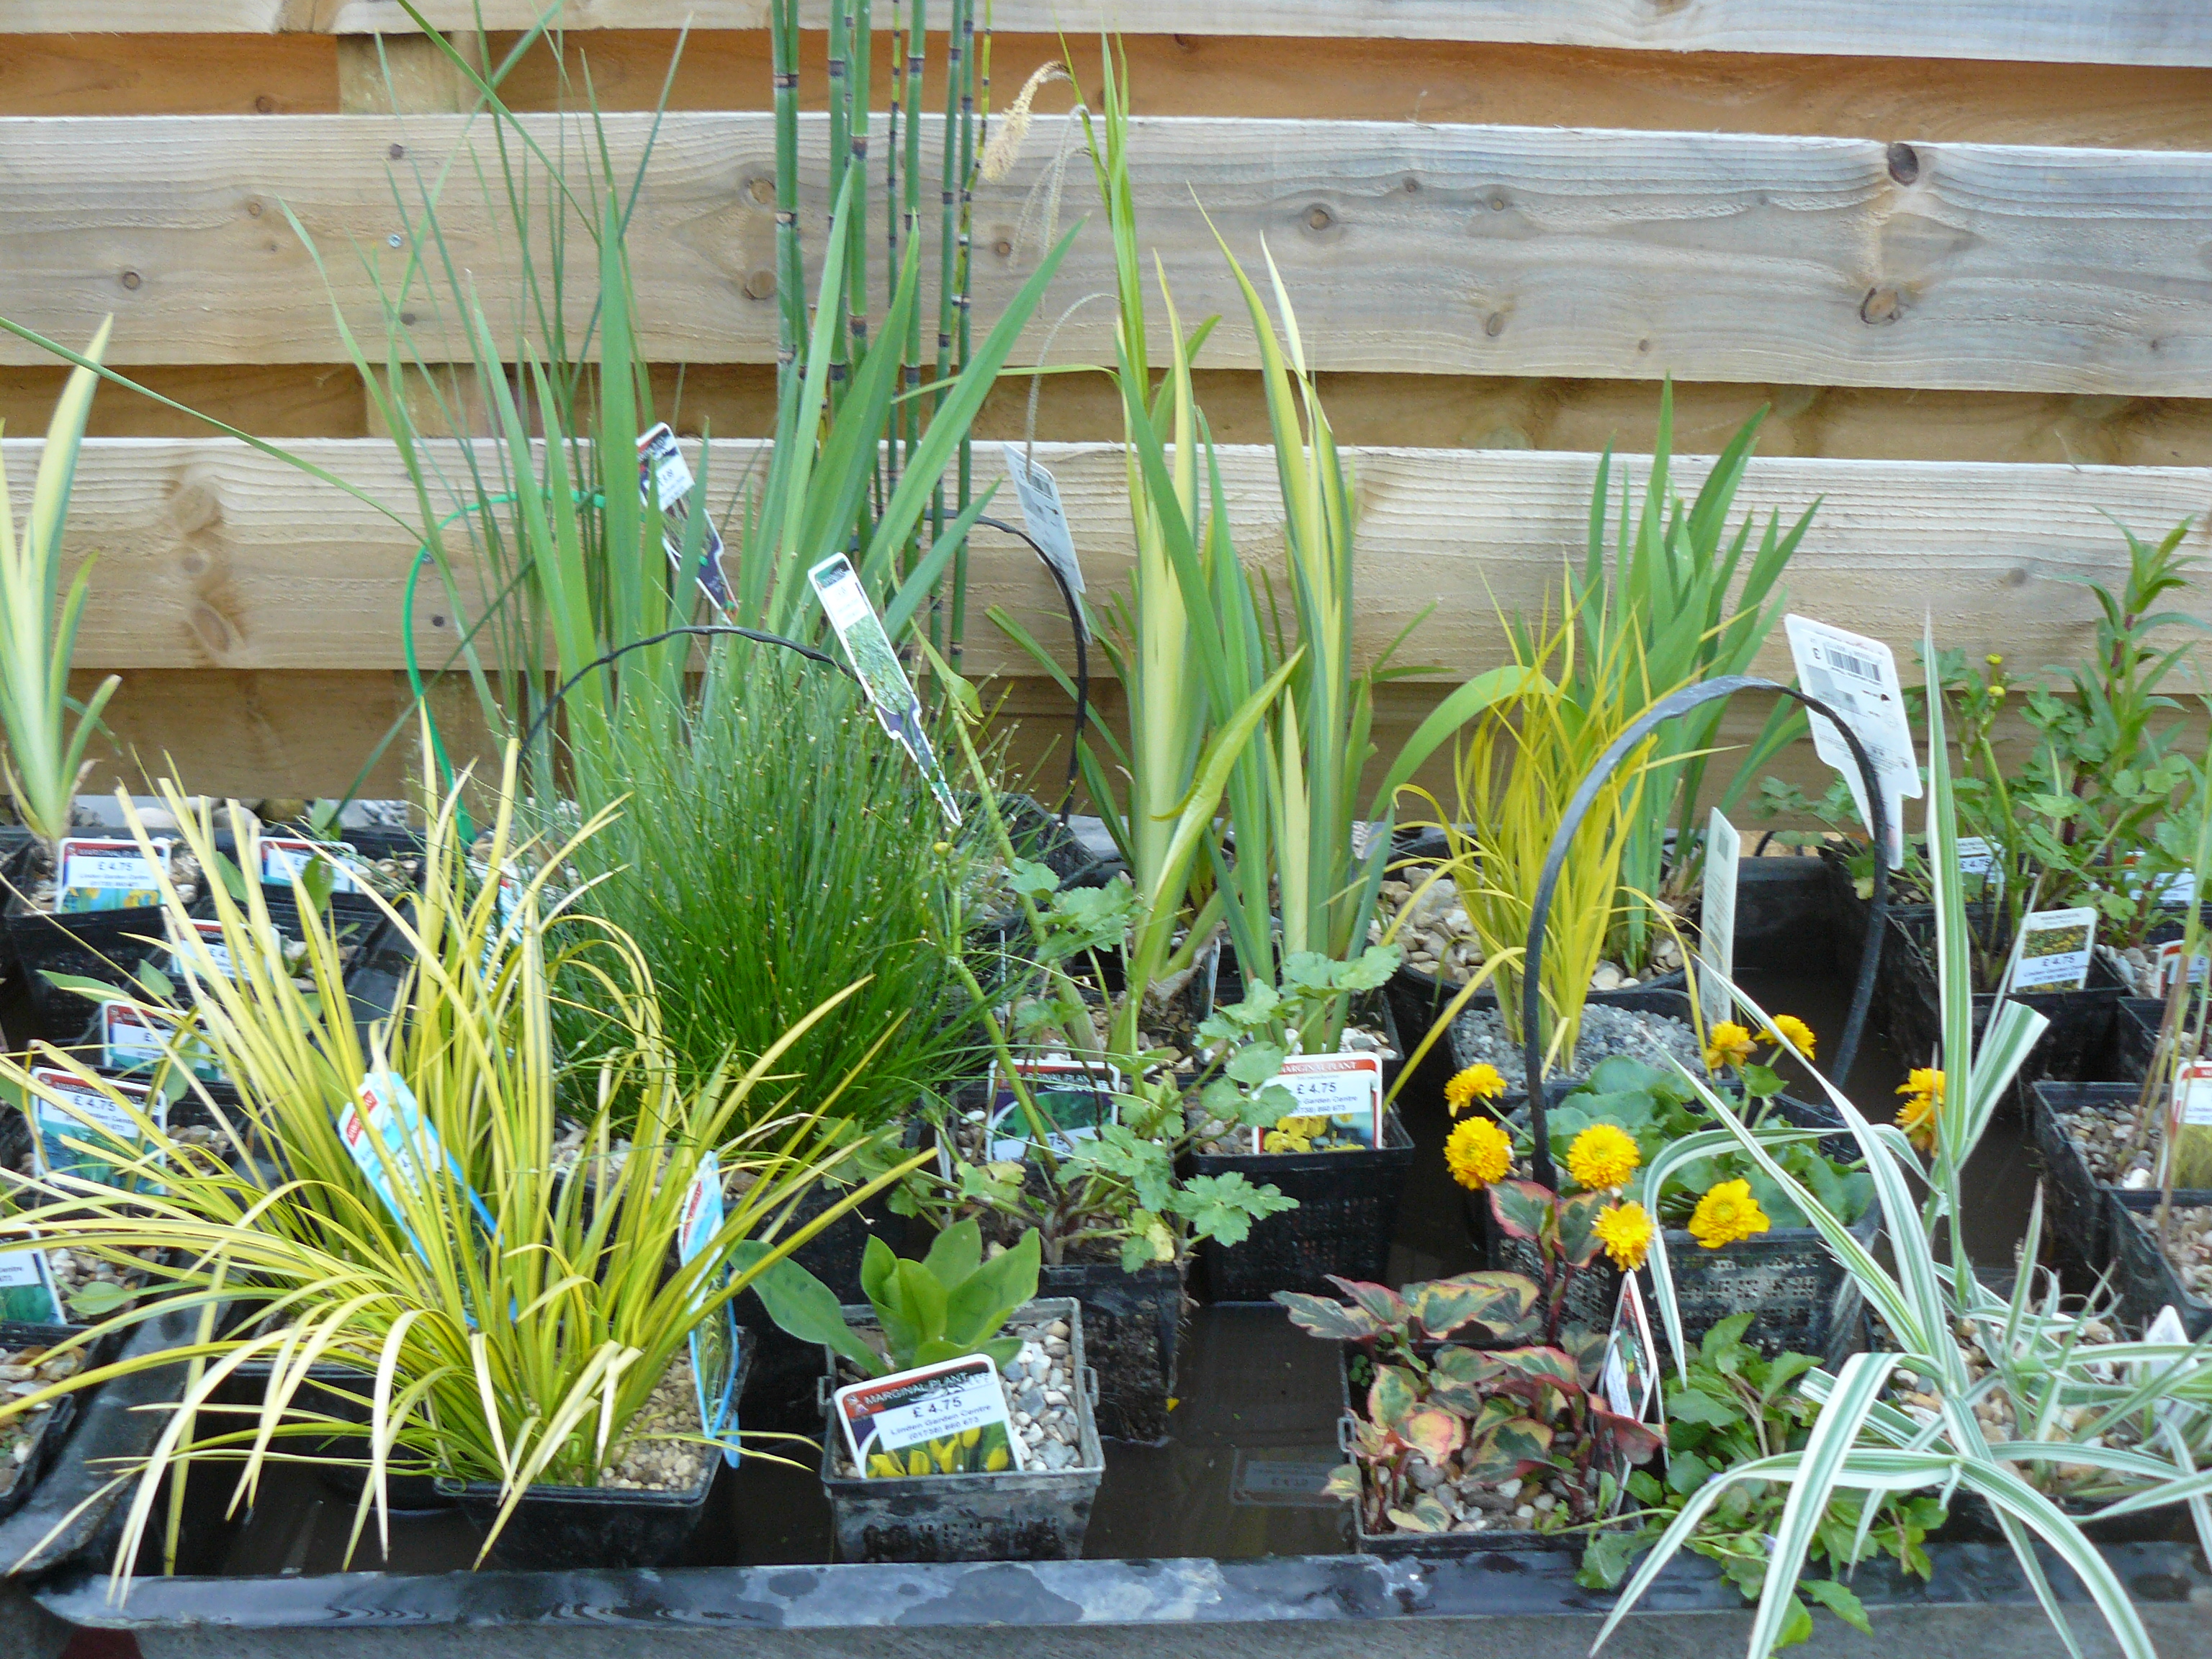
1347,1213
50,1426
330,1389
107,945
1132,1323
556,1529
1015,1515
2081,1030
355,913
2146,1279
2077,1217
2126,1058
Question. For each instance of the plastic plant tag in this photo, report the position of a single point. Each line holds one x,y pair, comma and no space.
2054,950
211,939
284,857
1346,1088
1288,1479
946,1419
134,1040
102,873
391,1141
1039,494
1977,863
1630,1375
1075,1100
2167,1326
868,649
27,1295
713,1340
1857,677
105,1136
506,901
1716,930
664,485
2169,966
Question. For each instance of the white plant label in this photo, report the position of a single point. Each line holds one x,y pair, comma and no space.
1074,1099
1630,1375
661,463
664,485
66,1109
868,649
1038,492
284,857
1717,928
211,940
713,1340
953,1412
1977,860
2192,1094
1857,677
134,1039
2054,950
1346,1088
102,873
2169,966
27,1288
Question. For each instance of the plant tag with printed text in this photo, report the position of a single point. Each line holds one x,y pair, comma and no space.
104,873
715,1338
1857,677
1716,924
2054,950
1346,1088
1076,1100
393,1145
284,857
210,936
105,1136
1047,520
868,649
664,485
945,1419
1630,1375
1983,873
138,1039
27,1295
2169,966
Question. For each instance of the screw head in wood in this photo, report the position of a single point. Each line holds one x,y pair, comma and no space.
1904,163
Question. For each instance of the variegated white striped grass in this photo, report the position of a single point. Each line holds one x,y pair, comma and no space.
517,1354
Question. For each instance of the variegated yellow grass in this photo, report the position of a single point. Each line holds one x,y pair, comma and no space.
516,1351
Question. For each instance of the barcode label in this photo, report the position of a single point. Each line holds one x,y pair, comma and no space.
1859,667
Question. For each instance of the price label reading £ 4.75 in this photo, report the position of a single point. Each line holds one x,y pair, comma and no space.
1857,677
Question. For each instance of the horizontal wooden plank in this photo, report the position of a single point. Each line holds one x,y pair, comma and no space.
1431,250
2061,31
213,555
166,74
1941,101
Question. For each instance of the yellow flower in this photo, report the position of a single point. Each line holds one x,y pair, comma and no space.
1307,1126
1282,1140
1799,1033
1727,1044
1924,1092
1602,1158
1994,660
1478,1152
1727,1213
1475,1083
1625,1231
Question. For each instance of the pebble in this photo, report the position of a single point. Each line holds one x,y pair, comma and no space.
1477,1037
1438,935
650,1465
2190,1253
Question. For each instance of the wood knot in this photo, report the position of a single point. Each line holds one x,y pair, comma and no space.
1904,163
1319,217
760,285
1880,306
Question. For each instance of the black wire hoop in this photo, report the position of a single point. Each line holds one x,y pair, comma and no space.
553,702
1668,707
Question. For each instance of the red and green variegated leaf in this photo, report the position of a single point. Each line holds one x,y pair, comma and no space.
1373,1442
1521,1208
1380,1301
1578,1240
1434,1432
1391,1397
1523,1441
1538,1396
1343,1484
1586,1348
1495,1301
1329,1320
1427,1515
1482,1461
1539,1362
1458,1364
1623,1436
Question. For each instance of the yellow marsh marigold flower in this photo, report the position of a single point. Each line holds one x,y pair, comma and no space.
1602,1158
1924,1092
1727,1044
1475,1083
1727,1213
1282,1140
1799,1033
1478,1152
1624,1230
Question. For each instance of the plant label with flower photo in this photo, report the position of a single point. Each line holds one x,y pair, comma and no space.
2169,966
105,1134
1047,520
385,1114
1345,1089
946,1419
104,873
1630,1375
1857,677
210,936
1075,1099
1979,864
664,485
713,1340
889,693
2054,949
284,857
27,1295
1717,919
137,1040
